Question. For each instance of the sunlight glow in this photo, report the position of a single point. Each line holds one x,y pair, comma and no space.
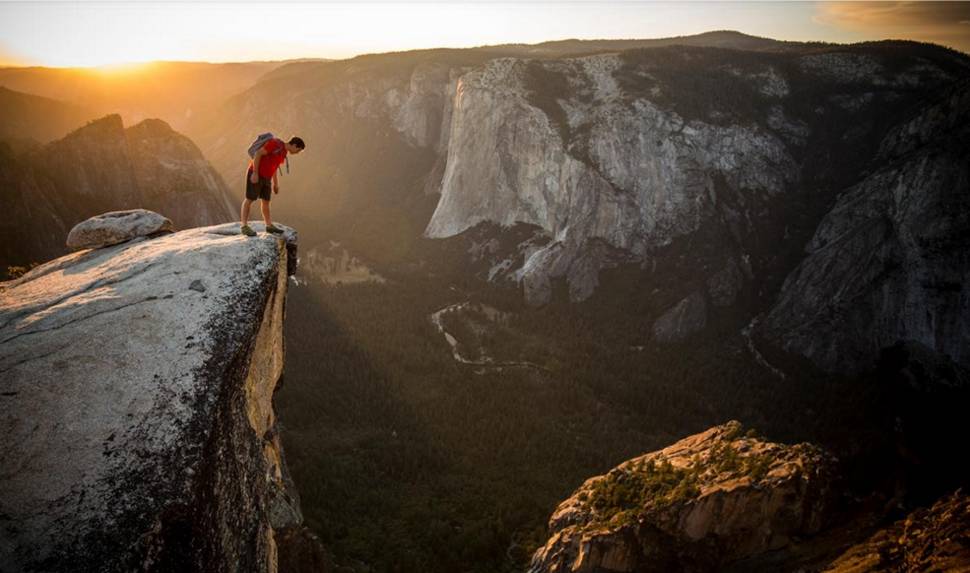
106,33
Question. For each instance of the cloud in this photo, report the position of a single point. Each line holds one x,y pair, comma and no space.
943,23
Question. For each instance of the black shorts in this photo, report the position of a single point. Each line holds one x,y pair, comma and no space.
262,190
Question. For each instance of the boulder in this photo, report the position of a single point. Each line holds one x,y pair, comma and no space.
707,500
137,429
117,227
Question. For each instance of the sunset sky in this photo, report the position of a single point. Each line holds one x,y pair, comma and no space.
97,33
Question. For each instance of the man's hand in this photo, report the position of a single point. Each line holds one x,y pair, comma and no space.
254,178
276,188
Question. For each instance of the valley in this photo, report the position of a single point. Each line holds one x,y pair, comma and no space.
522,266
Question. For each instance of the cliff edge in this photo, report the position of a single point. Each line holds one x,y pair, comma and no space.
138,429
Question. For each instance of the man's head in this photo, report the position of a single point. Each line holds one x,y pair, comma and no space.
295,145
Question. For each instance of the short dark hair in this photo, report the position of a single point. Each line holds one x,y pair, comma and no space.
297,141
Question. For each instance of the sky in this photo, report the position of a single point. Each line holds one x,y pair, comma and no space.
92,33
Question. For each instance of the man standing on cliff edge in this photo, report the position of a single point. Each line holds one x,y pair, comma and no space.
268,154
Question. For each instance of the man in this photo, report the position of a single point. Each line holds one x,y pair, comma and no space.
262,170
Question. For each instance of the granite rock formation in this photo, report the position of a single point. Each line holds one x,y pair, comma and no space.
707,500
891,260
719,154
138,430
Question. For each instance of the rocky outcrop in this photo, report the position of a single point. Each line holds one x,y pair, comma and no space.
117,227
104,167
936,538
138,430
891,261
707,500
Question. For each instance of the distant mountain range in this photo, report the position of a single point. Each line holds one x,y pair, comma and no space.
172,91
27,119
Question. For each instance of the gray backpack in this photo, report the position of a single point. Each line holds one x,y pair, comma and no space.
261,140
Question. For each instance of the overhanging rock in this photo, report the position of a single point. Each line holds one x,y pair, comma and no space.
137,429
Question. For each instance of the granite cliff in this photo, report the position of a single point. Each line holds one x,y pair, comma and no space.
138,430
714,158
891,260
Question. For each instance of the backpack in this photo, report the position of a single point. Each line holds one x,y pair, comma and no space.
261,140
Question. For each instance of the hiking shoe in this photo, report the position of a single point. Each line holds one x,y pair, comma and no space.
247,230
271,228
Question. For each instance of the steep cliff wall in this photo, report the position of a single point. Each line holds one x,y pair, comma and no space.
891,260
596,164
137,430
630,149
706,170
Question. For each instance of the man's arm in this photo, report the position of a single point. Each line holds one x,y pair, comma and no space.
259,154
276,183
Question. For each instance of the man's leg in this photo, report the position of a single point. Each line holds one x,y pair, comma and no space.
244,211
264,207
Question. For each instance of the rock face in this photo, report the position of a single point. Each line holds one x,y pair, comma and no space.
563,146
891,261
685,159
931,539
104,167
707,500
116,227
138,430
617,147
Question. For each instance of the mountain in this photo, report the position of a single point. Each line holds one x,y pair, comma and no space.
713,39
712,164
100,167
25,117
590,249
172,91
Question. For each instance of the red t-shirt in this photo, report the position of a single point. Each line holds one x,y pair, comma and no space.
275,155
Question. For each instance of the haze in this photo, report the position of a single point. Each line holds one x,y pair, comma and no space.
99,33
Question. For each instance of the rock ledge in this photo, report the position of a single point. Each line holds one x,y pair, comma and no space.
138,431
